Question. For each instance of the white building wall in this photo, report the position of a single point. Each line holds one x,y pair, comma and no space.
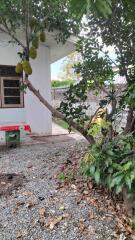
37,115
8,56
33,113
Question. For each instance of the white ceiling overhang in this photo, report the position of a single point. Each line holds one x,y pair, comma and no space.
59,50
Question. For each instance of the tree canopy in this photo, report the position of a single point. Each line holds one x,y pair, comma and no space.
98,7
111,161
42,14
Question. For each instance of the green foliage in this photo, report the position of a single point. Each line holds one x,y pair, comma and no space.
111,160
69,176
73,105
129,95
98,7
61,176
95,70
39,16
61,83
112,164
49,15
96,67
96,128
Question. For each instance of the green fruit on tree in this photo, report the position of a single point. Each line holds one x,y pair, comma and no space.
33,52
35,42
19,68
42,37
27,67
33,23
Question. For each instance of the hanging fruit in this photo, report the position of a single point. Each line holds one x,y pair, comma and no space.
35,42
42,37
19,68
33,52
27,67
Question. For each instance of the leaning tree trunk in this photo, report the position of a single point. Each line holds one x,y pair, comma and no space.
130,121
58,114
128,200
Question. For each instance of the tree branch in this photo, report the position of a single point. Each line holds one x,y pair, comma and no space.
130,121
109,58
27,27
8,32
57,113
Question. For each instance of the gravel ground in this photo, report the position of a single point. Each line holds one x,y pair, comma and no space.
39,209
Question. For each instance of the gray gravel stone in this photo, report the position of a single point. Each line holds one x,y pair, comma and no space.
23,222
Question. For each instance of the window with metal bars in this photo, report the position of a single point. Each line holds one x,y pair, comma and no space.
10,94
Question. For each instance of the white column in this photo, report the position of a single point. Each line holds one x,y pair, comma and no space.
37,115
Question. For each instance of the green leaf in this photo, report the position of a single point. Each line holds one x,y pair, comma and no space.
92,170
110,170
116,181
127,166
128,182
97,176
119,189
133,222
98,7
132,175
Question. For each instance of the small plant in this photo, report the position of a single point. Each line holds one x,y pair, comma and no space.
61,176
68,176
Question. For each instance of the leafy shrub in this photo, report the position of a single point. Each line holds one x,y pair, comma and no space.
112,164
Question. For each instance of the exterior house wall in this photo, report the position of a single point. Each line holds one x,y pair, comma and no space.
33,112
8,56
37,115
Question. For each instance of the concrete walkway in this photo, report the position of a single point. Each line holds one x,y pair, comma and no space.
57,130
59,134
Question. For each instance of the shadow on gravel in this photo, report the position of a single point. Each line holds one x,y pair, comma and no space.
54,138
10,182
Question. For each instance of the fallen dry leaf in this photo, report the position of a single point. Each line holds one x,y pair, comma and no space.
3,183
129,229
29,165
85,192
30,204
42,212
91,214
66,215
78,200
122,236
120,225
73,186
62,208
54,221
91,229
19,235
133,237
94,202
90,185
42,221
82,227
20,203
27,193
